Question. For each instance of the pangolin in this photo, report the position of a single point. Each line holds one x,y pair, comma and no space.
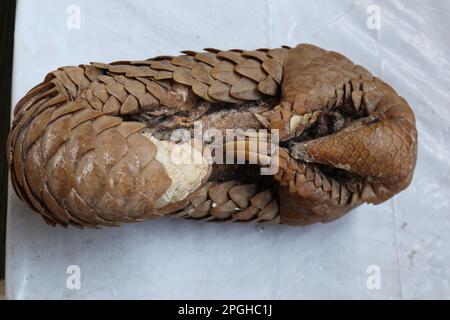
92,145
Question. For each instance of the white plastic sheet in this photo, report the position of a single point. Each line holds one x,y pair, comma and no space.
405,241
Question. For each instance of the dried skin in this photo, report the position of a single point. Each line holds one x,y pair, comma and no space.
89,145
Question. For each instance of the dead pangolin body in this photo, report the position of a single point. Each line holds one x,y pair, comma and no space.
89,146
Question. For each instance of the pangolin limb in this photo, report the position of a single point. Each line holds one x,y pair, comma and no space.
90,147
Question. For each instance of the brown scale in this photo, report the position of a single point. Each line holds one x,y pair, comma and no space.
79,150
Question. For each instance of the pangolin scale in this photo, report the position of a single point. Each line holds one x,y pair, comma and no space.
89,145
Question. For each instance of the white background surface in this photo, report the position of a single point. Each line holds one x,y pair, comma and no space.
407,237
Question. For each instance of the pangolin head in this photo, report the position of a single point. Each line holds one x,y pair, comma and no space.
346,136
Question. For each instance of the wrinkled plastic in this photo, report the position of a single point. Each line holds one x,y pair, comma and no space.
399,249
